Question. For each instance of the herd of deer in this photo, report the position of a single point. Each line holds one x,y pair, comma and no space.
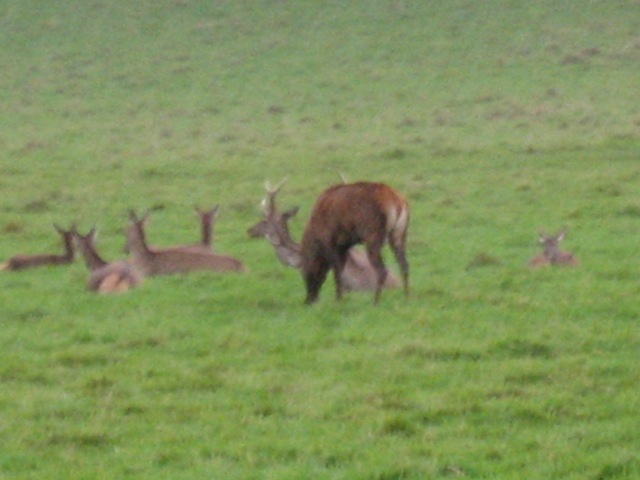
344,215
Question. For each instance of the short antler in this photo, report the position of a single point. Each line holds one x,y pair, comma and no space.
269,202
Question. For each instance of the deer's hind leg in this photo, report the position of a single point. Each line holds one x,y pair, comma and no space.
398,243
374,251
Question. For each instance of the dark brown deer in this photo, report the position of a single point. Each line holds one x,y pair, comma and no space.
159,261
115,277
358,273
21,262
346,215
552,255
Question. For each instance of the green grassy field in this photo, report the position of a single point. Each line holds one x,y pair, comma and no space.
496,119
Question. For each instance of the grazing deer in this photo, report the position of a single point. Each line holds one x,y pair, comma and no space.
21,262
346,215
105,277
552,254
158,261
358,273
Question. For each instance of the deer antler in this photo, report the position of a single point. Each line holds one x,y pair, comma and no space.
269,202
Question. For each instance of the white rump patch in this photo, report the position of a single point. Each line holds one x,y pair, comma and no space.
397,219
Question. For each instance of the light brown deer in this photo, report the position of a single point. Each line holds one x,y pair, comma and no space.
358,273
22,262
115,277
552,255
205,245
346,215
158,261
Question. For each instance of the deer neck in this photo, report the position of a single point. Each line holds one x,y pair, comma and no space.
287,250
91,257
207,235
69,251
137,243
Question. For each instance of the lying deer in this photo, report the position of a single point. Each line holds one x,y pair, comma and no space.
358,273
21,262
165,261
552,254
205,245
105,277
348,214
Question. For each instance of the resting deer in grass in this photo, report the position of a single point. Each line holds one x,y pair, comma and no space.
205,245
358,273
105,277
165,261
552,254
21,262
346,215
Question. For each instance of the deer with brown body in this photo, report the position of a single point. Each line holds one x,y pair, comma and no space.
358,273
552,255
205,245
105,277
22,262
159,261
346,215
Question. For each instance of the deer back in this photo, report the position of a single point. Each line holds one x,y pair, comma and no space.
158,261
348,214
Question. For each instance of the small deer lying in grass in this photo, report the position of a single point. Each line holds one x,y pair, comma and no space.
358,273
21,262
105,277
153,261
205,245
552,254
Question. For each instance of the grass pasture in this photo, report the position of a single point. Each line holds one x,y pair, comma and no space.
496,119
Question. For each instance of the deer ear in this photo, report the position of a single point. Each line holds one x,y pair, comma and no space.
562,234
